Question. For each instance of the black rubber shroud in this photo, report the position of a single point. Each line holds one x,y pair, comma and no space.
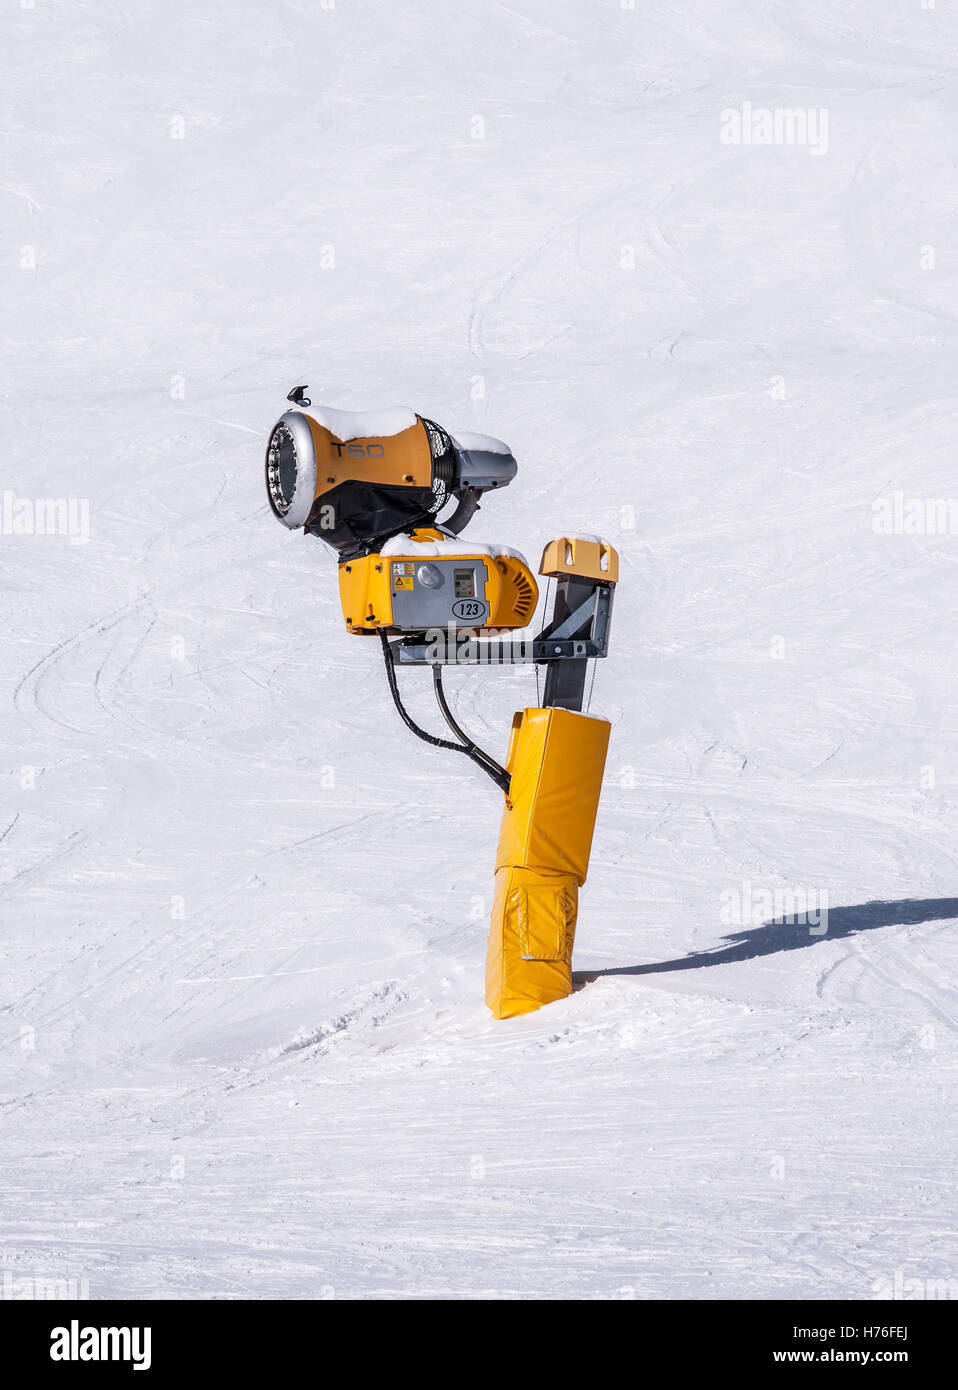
352,516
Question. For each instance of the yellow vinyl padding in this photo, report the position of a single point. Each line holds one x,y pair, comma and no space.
529,960
556,761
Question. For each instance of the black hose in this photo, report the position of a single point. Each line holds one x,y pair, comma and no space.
496,772
481,759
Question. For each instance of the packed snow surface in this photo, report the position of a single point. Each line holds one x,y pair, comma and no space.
245,1048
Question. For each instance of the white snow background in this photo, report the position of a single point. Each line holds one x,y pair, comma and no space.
243,1042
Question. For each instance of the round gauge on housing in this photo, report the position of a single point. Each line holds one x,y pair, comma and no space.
429,576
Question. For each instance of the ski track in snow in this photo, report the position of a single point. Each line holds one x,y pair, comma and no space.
245,1052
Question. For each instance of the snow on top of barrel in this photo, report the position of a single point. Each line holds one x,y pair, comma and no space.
362,424
481,442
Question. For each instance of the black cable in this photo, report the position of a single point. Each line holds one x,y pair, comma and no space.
488,765
496,772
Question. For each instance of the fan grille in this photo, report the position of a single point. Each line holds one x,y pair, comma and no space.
443,463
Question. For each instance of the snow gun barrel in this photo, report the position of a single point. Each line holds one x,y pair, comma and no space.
356,478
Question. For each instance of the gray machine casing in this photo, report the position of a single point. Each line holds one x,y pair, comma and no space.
423,606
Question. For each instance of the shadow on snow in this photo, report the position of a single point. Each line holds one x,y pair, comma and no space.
790,934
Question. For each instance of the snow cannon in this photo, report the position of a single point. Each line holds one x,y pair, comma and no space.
373,485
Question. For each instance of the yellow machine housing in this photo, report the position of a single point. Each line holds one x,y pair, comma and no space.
431,580
403,459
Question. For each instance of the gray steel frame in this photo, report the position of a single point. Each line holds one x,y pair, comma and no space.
578,635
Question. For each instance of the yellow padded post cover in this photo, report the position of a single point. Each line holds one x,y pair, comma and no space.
556,761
